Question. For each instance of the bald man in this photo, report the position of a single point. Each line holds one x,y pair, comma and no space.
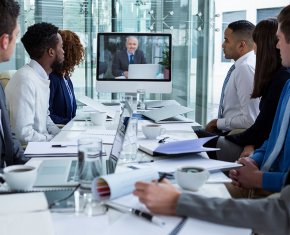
130,55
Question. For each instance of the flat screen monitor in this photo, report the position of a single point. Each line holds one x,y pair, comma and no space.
130,61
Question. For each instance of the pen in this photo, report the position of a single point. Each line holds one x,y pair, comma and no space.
133,211
61,146
161,178
145,161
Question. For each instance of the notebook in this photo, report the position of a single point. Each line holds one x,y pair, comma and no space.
153,147
107,136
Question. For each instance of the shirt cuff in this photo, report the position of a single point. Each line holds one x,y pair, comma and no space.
273,181
221,124
258,157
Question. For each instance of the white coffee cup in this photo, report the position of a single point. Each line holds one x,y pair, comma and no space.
191,177
98,118
19,177
152,131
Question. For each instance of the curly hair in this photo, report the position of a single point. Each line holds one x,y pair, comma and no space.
73,53
39,38
9,11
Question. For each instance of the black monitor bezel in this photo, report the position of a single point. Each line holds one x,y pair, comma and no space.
134,34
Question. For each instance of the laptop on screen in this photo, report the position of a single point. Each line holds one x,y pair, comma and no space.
64,172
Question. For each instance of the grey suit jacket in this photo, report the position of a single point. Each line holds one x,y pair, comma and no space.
121,61
12,152
265,216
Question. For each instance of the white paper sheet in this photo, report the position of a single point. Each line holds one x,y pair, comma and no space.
131,225
90,109
121,184
73,225
107,136
98,106
194,226
169,126
41,148
28,211
169,165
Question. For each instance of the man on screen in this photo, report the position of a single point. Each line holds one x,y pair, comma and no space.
130,55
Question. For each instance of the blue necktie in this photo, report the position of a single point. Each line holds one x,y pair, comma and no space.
131,59
223,90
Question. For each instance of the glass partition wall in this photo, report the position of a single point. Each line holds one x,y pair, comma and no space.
198,64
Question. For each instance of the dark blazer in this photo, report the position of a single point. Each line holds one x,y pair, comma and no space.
11,150
260,130
59,100
121,61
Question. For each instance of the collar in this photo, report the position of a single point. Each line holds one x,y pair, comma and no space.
38,69
129,53
244,57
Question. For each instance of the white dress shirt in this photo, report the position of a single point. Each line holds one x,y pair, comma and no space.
38,69
238,110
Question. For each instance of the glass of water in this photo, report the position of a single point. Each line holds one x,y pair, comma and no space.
141,99
123,98
90,160
130,146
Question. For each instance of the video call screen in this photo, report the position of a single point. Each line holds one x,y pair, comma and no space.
126,56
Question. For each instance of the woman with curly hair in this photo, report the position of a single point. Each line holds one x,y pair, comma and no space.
62,102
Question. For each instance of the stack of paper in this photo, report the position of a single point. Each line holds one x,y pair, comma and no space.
169,126
107,136
46,149
52,149
25,213
169,165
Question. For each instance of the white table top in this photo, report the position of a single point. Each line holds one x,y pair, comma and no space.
74,128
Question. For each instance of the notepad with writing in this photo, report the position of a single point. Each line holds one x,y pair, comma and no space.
177,147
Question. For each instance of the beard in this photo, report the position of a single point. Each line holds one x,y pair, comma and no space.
57,63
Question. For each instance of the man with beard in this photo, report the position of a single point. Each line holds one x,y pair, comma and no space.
27,93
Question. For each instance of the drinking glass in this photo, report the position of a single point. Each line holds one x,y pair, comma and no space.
90,160
141,98
130,147
123,98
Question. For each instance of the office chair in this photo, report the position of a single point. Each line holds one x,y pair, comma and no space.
6,76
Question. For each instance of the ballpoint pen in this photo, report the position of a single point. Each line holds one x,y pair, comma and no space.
63,146
133,211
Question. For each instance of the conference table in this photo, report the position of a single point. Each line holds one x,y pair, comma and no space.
74,128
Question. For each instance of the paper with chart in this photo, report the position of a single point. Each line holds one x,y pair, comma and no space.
119,184
107,136
169,165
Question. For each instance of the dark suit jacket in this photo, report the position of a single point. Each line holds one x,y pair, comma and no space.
59,100
10,149
260,130
263,216
121,61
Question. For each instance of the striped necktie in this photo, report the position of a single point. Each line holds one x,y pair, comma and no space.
223,90
280,140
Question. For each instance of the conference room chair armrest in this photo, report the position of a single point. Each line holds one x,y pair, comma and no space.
236,131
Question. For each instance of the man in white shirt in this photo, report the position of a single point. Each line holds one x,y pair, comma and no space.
236,109
28,91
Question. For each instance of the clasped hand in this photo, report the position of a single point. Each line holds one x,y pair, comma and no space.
247,177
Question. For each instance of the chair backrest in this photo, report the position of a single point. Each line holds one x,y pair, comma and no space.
6,76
